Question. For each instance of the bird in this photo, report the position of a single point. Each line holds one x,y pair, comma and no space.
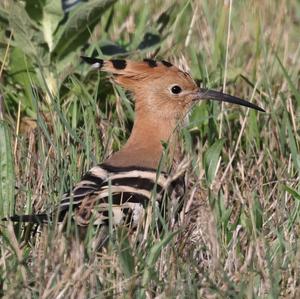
122,187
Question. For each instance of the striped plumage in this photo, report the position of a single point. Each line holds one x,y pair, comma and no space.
133,178
129,190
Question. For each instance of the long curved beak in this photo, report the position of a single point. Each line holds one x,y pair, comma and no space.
223,97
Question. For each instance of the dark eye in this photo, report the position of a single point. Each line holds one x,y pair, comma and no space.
176,89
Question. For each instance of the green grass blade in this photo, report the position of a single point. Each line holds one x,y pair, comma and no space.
289,80
153,255
211,158
7,175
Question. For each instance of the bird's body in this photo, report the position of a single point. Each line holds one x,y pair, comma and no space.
129,190
135,177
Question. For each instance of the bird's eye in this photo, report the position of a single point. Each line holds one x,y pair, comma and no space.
176,89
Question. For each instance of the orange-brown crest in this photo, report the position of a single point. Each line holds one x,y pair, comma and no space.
159,87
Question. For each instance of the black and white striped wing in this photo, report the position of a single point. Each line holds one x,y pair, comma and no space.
90,183
129,189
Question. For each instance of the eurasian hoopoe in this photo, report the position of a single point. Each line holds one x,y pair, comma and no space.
130,179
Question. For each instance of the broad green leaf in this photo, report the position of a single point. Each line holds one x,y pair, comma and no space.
199,116
25,31
7,175
34,9
79,26
125,253
292,192
52,14
154,255
211,158
252,129
23,74
257,213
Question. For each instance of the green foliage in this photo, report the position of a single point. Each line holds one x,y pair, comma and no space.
211,158
80,23
7,174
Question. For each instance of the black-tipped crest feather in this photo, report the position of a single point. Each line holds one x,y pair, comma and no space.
93,61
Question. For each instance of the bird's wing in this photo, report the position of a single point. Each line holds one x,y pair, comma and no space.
124,190
90,183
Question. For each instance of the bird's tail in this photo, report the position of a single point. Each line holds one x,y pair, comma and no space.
38,218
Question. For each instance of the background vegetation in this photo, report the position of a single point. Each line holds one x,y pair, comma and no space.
240,235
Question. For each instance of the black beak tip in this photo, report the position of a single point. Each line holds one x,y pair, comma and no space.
223,97
253,106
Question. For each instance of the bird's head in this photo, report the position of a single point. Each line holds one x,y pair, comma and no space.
160,88
163,96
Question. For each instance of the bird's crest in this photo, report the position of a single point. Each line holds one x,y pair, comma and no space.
128,67
133,75
161,81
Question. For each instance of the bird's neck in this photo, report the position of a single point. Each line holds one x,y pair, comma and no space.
144,147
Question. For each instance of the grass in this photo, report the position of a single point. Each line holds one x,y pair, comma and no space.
240,236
